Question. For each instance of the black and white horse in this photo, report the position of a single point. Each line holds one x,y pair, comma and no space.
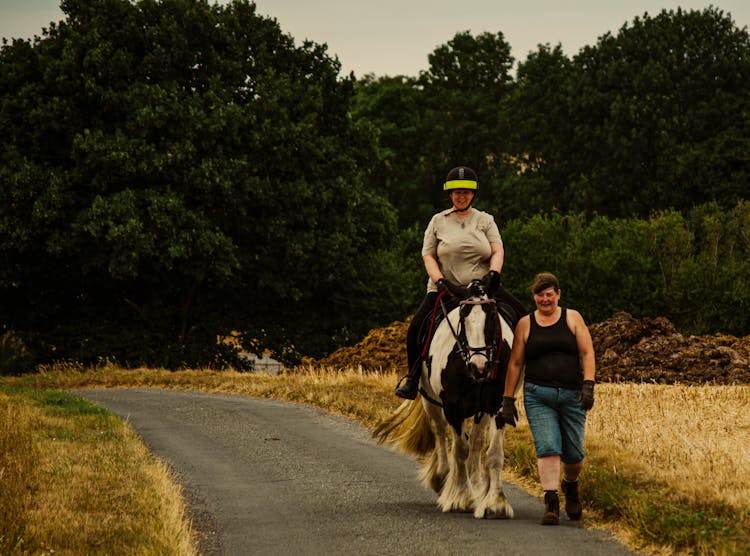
455,428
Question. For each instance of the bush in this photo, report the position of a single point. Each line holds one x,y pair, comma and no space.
693,270
15,357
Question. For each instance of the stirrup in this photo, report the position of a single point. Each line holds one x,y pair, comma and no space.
406,392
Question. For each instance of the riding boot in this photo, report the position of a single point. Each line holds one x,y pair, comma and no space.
572,501
551,508
408,386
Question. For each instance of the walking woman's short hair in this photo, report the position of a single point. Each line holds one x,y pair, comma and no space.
544,280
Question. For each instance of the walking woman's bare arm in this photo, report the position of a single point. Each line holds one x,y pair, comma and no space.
585,344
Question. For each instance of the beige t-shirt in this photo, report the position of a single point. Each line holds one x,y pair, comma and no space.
461,245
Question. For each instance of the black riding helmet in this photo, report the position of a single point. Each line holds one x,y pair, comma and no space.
461,177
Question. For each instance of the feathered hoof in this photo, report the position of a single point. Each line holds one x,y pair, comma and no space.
499,510
435,483
457,509
455,506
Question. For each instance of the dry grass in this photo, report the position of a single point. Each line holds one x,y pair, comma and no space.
18,473
362,396
695,438
666,466
92,488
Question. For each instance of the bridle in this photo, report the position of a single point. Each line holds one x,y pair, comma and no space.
491,351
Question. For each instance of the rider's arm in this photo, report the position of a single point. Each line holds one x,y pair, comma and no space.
432,267
517,356
497,258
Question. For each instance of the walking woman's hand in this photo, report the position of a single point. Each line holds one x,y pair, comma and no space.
587,395
508,411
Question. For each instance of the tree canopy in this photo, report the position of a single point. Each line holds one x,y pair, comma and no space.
666,103
446,117
650,124
653,117
173,170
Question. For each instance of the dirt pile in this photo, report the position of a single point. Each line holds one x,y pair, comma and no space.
652,350
627,350
381,349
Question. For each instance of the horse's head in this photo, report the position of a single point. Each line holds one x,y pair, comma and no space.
469,354
478,327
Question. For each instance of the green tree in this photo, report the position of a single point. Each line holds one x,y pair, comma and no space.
423,127
173,170
713,281
539,126
690,269
661,116
393,108
467,79
448,116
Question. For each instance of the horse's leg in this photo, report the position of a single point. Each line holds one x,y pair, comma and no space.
434,467
456,493
494,504
477,442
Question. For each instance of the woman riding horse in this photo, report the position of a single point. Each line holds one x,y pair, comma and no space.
456,430
461,244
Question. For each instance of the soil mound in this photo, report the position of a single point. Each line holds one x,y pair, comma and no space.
382,349
652,350
627,350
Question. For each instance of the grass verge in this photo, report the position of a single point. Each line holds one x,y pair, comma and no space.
84,483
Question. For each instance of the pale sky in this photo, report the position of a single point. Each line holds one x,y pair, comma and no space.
394,37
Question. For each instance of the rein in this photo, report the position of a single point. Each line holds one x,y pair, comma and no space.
491,352
440,297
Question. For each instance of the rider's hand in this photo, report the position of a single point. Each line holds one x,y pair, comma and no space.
491,280
441,285
587,395
508,411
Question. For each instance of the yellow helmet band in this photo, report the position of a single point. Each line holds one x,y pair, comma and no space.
460,184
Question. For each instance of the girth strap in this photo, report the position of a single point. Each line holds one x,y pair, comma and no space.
427,397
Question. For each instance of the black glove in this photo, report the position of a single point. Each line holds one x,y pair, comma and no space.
491,280
508,411
587,395
441,285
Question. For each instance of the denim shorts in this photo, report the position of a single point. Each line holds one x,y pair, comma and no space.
556,420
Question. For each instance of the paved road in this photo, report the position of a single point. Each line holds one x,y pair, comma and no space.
271,477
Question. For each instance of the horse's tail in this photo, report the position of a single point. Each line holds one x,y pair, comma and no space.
408,428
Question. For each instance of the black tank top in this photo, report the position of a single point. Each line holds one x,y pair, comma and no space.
552,355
